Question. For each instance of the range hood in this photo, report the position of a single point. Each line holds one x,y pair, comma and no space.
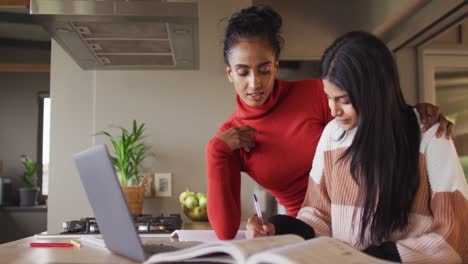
123,34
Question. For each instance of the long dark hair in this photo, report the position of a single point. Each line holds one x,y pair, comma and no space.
384,154
259,21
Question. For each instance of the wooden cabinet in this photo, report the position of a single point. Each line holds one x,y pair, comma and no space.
14,3
21,222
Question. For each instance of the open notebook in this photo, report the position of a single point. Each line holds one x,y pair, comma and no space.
286,249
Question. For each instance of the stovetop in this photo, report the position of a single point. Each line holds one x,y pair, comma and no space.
144,224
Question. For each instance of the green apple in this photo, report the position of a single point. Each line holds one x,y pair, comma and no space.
199,212
191,201
202,201
200,194
184,195
191,214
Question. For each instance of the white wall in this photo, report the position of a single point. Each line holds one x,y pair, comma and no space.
406,60
182,110
310,26
71,130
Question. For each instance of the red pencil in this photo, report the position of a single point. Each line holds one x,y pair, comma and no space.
49,244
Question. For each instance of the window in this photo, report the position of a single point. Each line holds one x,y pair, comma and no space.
451,90
44,142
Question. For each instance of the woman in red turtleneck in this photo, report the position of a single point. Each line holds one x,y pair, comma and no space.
273,134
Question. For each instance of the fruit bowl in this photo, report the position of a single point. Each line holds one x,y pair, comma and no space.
196,214
194,205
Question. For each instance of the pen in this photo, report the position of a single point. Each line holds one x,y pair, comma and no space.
49,244
259,212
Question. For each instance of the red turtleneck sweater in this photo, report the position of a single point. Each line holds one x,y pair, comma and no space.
289,123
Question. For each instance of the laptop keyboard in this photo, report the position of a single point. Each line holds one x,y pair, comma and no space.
158,248
154,248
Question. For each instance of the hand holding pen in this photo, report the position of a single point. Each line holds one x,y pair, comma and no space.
256,225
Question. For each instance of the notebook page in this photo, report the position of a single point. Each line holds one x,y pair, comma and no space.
202,235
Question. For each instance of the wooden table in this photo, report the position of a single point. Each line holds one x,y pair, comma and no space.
20,252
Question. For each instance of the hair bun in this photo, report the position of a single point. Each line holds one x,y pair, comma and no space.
259,21
266,15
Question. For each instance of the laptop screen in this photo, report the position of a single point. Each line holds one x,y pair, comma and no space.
108,202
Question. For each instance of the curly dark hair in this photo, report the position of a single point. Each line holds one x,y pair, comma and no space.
259,21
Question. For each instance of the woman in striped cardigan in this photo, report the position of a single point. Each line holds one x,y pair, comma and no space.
377,183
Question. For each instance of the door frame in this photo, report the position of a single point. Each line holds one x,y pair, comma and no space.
429,61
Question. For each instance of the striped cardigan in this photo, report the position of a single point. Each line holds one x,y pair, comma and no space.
438,222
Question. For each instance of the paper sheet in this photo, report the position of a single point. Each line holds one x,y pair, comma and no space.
202,235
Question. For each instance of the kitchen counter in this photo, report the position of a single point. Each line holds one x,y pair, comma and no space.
19,251
37,208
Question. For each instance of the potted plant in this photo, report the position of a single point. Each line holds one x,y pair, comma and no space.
28,194
129,153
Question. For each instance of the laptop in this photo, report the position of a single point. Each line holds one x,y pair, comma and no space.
110,208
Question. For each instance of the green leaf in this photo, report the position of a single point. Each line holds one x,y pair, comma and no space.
29,177
130,152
